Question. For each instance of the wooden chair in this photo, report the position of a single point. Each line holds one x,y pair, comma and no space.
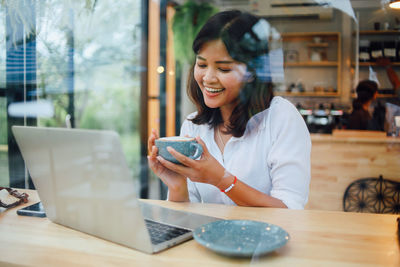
372,195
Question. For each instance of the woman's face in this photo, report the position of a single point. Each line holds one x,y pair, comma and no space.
219,77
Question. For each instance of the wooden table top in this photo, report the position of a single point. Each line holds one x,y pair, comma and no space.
318,238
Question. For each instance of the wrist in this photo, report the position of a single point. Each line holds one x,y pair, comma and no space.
227,183
230,187
178,186
178,196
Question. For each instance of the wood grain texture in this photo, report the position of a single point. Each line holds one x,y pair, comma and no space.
336,161
317,238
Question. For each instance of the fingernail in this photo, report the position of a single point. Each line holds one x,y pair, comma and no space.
159,158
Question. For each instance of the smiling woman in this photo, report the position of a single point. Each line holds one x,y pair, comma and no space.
256,147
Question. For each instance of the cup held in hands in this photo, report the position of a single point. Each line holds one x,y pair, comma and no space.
184,145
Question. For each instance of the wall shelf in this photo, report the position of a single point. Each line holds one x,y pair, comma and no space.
367,64
307,35
312,64
361,71
384,32
312,60
318,45
353,95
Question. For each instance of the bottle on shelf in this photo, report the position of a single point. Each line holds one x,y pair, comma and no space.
376,50
398,51
389,50
364,51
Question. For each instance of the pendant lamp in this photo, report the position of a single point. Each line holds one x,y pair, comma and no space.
395,4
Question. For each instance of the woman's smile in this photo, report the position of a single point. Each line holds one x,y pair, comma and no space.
213,90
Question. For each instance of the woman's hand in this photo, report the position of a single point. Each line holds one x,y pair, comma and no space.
175,182
205,170
208,170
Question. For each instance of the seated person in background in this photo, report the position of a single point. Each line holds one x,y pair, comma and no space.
360,118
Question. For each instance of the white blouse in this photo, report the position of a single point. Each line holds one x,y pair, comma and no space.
273,156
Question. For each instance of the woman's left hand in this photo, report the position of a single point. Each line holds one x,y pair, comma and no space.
205,170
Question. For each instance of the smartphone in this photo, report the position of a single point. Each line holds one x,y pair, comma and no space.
35,210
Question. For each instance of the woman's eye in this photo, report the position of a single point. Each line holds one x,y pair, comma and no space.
201,65
224,70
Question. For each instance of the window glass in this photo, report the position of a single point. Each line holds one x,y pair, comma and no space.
320,56
86,58
93,53
4,179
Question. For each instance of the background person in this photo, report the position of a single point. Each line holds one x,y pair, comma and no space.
361,117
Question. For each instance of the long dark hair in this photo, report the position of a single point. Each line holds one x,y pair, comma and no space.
365,92
244,44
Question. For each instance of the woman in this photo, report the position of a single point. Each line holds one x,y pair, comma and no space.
256,146
360,118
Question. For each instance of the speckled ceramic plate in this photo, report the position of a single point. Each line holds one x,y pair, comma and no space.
241,238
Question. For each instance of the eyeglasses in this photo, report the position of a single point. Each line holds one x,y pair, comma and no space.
22,198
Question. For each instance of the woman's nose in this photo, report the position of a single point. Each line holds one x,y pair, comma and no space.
209,76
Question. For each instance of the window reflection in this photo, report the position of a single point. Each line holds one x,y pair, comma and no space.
85,57
4,175
83,63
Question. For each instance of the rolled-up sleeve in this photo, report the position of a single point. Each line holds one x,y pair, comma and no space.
289,157
194,195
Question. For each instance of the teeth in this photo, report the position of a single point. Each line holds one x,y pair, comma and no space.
214,90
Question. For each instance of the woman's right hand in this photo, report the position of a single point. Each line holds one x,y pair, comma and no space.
176,183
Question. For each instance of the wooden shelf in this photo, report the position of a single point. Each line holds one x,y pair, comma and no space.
312,64
320,94
386,95
308,34
385,32
367,64
328,45
378,95
318,45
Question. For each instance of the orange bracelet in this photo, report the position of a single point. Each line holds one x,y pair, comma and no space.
230,187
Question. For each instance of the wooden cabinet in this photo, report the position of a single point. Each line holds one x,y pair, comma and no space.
312,64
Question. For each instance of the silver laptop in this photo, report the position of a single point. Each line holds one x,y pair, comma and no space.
83,181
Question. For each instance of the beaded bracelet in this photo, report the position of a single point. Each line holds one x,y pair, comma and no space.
230,187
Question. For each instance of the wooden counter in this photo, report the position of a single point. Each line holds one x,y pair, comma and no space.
317,238
339,159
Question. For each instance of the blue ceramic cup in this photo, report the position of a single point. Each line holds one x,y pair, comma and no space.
184,145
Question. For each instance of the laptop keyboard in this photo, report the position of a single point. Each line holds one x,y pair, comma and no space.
160,232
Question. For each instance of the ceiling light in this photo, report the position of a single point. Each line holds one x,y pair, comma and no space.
395,4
